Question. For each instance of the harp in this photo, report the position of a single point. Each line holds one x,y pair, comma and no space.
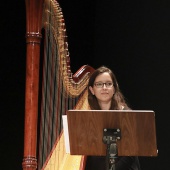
51,89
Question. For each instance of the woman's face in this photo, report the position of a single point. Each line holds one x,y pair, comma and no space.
103,88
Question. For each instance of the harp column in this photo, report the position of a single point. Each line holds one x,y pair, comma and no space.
33,39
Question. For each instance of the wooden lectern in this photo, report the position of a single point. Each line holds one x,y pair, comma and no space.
136,132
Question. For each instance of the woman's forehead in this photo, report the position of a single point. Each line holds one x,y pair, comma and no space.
103,77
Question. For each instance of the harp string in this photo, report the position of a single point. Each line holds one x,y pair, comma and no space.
60,91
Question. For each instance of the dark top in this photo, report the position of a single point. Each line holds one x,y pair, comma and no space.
123,163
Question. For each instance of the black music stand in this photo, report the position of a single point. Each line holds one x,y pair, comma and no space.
112,133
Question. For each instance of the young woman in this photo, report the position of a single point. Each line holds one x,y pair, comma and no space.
104,94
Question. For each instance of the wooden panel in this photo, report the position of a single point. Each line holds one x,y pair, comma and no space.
60,160
138,132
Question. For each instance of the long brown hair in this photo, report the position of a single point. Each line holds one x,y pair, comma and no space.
118,101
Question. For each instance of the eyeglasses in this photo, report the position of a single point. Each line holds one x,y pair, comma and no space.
101,84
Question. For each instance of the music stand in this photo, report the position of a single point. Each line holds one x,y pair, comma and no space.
132,133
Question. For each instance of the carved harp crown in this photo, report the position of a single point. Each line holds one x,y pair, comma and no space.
51,89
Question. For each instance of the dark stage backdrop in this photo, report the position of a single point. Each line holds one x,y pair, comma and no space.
12,83
131,37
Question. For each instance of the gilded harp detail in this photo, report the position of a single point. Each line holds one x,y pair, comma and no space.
60,90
